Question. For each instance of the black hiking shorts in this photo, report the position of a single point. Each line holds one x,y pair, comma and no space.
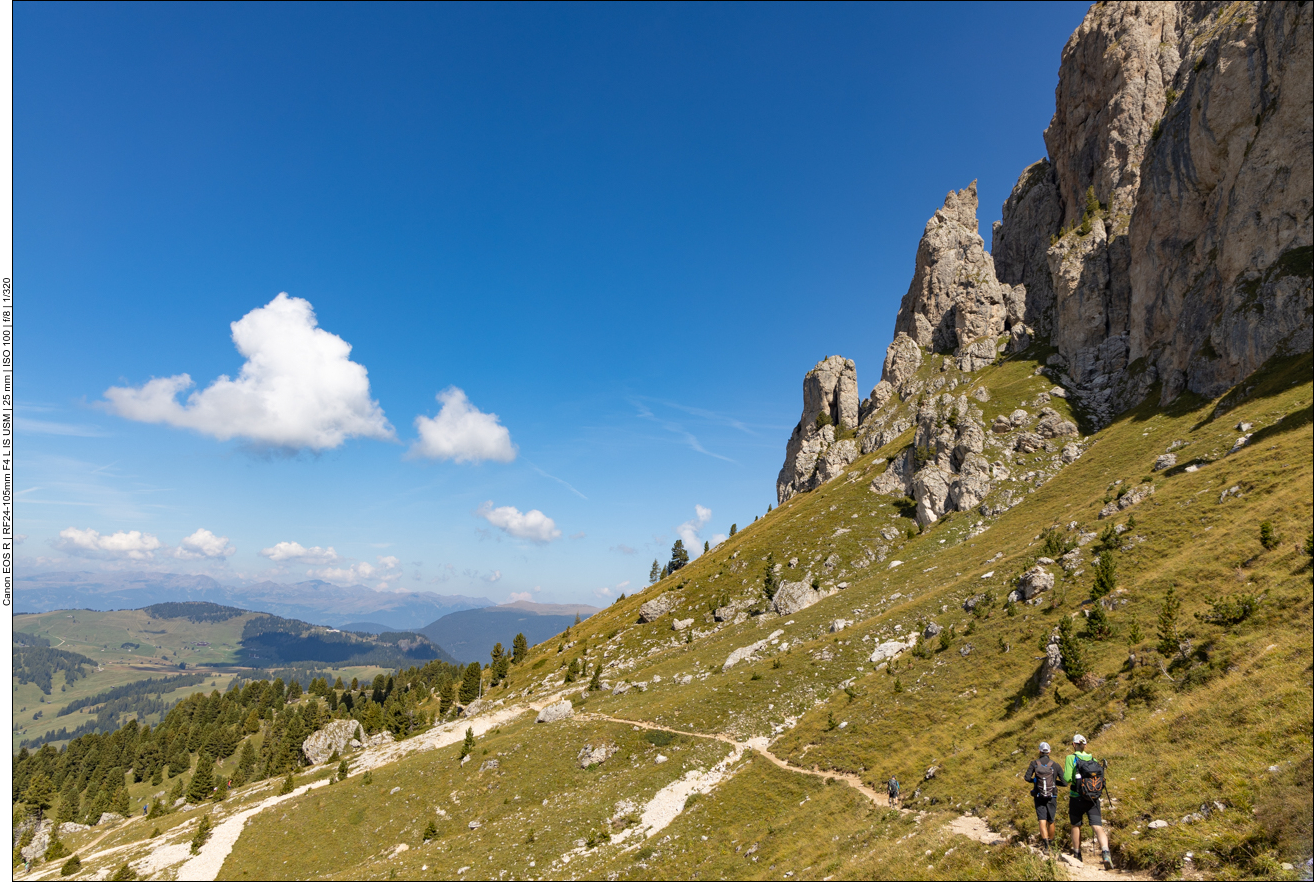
1080,806
1046,808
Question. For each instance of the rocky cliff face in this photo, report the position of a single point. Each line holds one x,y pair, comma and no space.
1165,240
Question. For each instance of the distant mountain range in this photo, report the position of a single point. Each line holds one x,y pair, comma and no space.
314,601
469,634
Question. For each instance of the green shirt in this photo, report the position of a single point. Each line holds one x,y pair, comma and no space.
1069,769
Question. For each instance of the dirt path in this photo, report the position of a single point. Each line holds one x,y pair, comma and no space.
966,825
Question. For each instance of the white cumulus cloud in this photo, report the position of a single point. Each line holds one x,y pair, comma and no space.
689,531
462,432
519,596
202,545
295,551
532,525
298,389
123,545
387,571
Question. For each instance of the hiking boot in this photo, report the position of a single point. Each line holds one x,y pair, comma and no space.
1108,860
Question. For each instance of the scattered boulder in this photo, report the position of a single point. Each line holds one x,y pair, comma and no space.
562,710
489,765
1133,496
1052,425
1158,824
36,849
1002,425
109,819
382,739
971,603
889,650
1071,453
332,738
931,773
656,608
680,624
1018,418
981,394
68,828
794,596
1028,442
744,652
1034,581
931,630
965,651
595,756
1166,461
839,625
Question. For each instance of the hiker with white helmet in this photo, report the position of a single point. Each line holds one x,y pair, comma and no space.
1043,776
1085,777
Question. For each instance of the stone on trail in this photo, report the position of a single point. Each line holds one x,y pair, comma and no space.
562,710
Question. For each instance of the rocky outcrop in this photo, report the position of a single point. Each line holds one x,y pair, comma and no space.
595,756
822,443
1180,165
955,299
331,739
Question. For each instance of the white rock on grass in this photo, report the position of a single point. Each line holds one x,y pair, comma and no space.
595,756
744,652
890,649
332,738
680,624
562,710
656,608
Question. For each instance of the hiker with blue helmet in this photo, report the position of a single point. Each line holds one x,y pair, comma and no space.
1085,778
1044,777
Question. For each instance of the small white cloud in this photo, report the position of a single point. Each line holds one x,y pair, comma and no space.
387,571
123,545
294,551
462,432
202,545
494,576
621,586
297,389
532,525
622,548
690,529
602,593
519,596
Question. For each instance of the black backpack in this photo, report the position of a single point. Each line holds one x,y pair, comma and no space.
1091,775
1045,778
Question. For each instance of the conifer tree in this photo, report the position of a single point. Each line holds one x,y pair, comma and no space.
1106,577
338,684
202,836
447,697
520,648
470,682
769,577
468,746
293,691
344,769
1074,660
430,830
734,528
40,793
706,546
596,683
679,556
1170,641
655,573
202,780
666,571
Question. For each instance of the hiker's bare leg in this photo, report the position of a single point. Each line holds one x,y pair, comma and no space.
1076,839
1102,837
1045,831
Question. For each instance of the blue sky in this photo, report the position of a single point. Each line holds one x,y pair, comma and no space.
626,231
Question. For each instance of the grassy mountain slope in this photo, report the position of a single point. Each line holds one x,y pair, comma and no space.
1213,737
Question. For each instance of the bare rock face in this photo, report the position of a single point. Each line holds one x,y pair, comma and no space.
821,444
553,713
1034,581
334,737
954,298
1181,150
1032,214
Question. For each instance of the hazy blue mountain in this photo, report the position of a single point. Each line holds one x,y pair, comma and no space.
470,634
320,603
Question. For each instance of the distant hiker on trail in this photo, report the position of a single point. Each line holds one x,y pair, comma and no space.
1043,776
892,791
1085,778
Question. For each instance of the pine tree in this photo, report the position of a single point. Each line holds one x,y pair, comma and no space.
734,528
119,803
1170,641
338,684
577,618
520,648
293,691
1097,624
468,746
245,764
1074,660
40,793
655,573
596,683
679,556
430,830
202,780
470,682
1106,578
202,836
666,571
706,546
769,577
344,769
220,789
447,697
